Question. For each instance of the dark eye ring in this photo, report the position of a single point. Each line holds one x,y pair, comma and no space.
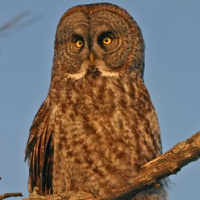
78,41
106,38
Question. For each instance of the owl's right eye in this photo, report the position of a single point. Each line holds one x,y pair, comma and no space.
79,43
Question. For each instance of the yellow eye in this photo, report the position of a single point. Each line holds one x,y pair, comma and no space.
107,41
79,43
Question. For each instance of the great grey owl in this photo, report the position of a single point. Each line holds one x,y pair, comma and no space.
97,126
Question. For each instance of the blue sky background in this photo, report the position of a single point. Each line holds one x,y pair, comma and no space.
171,30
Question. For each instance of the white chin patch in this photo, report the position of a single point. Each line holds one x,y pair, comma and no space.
76,76
81,73
99,64
109,73
102,67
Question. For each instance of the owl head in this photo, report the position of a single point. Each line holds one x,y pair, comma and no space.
98,40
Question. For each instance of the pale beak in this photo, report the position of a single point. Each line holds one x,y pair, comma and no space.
92,58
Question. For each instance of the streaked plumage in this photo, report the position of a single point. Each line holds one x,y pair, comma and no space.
97,126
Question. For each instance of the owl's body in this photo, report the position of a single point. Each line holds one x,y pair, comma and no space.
97,126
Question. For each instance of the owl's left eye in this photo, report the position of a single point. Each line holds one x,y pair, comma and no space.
107,41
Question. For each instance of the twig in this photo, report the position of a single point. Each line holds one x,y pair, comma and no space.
14,21
7,195
19,22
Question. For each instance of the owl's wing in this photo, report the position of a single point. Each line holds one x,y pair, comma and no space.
39,151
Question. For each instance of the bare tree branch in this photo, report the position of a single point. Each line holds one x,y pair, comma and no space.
169,163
